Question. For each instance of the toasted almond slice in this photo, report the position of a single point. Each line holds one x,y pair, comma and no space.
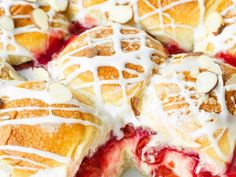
7,23
59,92
40,74
120,13
13,74
213,22
206,81
194,72
209,64
40,19
59,5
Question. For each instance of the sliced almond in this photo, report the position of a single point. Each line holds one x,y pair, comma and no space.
40,19
7,23
58,5
194,72
13,74
59,92
209,64
213,22
206,81
120,13
40,74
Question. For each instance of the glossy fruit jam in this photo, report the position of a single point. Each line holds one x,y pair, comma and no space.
173,48
228,58
111,158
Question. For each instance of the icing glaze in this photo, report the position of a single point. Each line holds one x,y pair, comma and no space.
8,38
161,119
121,114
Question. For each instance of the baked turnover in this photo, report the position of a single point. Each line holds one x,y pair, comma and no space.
91,88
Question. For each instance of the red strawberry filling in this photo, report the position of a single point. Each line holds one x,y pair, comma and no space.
173,48
109,159
228,58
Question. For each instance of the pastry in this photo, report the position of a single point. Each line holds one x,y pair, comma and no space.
44,131
28,29
107,67
172,21
95,12
114,97
191,103
7,72
216,36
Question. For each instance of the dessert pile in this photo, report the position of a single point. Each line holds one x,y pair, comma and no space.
90,88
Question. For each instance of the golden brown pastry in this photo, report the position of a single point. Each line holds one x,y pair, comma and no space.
100,12
7,72
217,35
172,21
44,131
27,29
191,103
108,66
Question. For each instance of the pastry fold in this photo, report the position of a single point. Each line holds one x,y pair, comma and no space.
191,103
25,36
108,64
41,137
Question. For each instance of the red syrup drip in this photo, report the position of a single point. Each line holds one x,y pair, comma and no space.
173,48
75,28
228,58
55,45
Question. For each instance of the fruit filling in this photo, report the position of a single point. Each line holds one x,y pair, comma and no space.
115,155
173,48
228,58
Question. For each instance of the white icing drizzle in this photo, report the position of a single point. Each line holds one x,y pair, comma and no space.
46,119
37,152
142,57
23,159
221,42
10,90
8,38
174,123
98,10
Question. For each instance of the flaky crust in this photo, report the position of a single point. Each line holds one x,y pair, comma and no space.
172,21
38,135
27,40
218,32
202,121
108,64
7,72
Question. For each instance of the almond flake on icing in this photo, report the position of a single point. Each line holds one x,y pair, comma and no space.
206,81
40,74
59,92
40,19
213,22
209,64
120,13
194,72
58,5
7,23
